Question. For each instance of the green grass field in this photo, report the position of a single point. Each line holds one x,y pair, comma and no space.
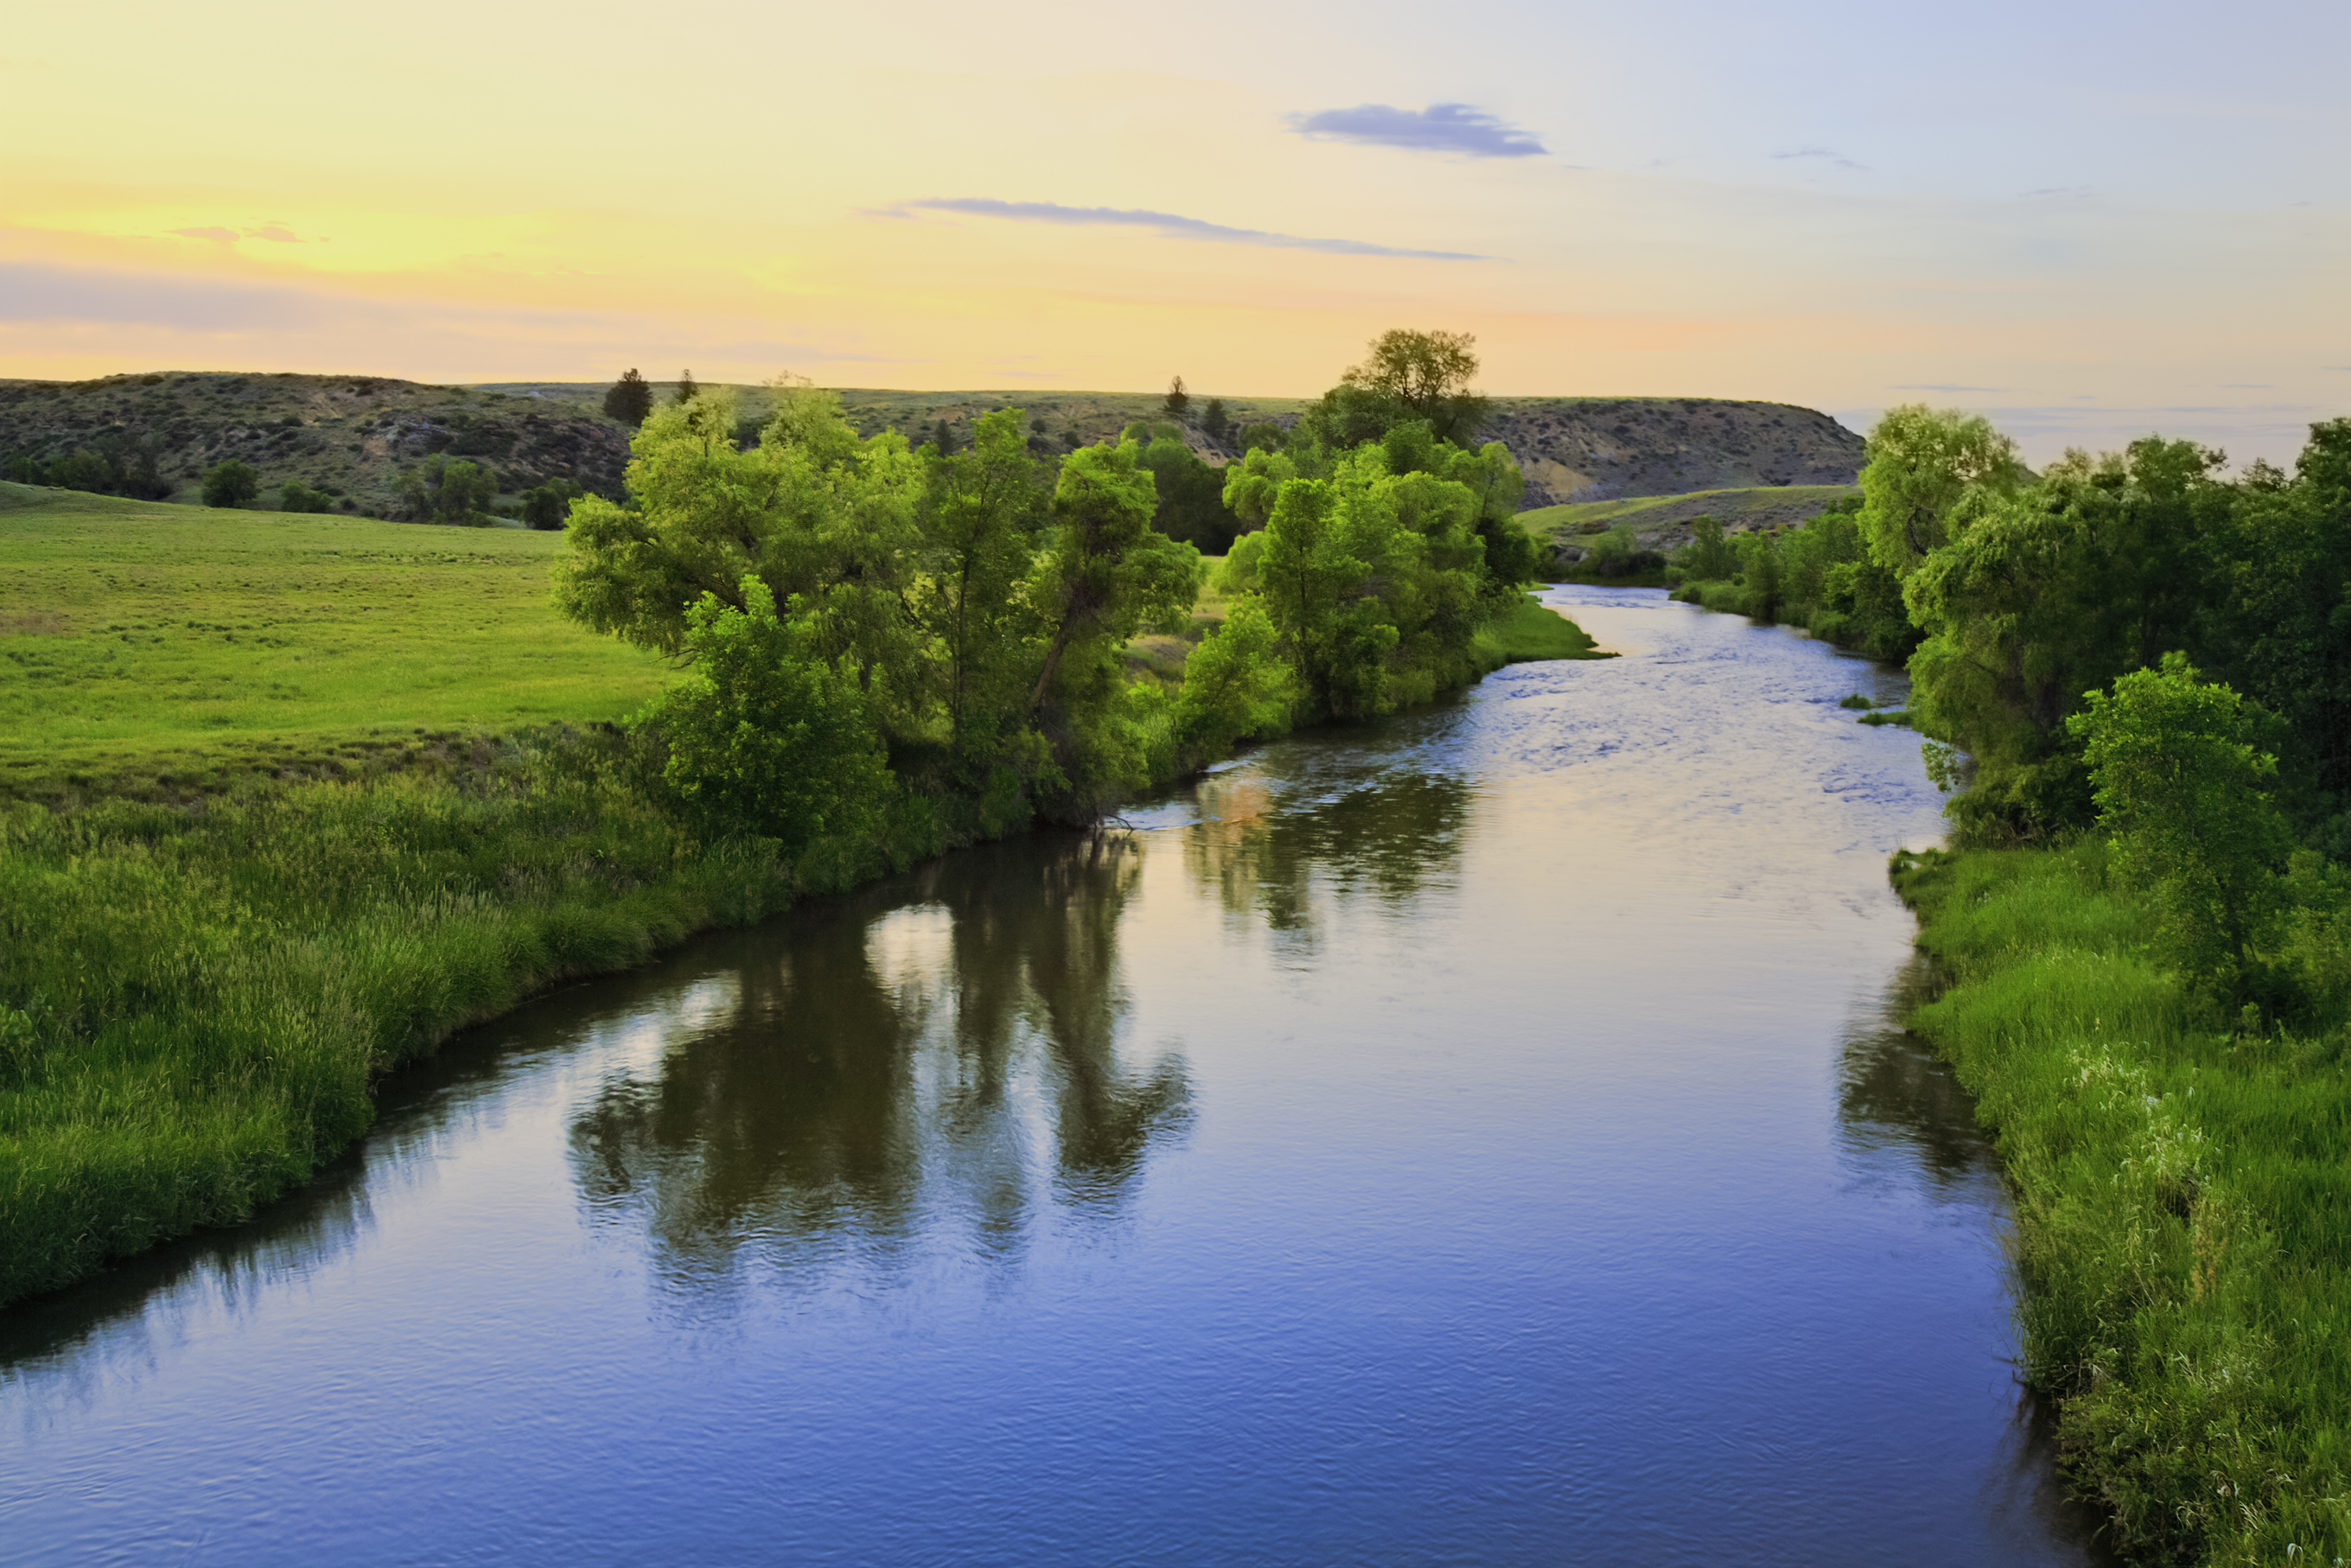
147,649
224,911
1759,507
2183,1210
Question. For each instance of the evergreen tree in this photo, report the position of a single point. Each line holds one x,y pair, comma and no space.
1178,400
685,387
630,399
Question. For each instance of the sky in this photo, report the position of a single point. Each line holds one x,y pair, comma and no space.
2088,221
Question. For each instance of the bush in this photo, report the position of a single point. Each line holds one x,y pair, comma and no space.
1236,685
764,736
547,506
296,496
230,484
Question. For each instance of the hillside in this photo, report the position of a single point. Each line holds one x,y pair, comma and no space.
1570,449
1604,448
1663,522
354,437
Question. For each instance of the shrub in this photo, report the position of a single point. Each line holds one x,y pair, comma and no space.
230,484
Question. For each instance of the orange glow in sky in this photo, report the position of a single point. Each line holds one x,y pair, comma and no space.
1837,205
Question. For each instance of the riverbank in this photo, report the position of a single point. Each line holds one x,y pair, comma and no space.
199,997
2183,1210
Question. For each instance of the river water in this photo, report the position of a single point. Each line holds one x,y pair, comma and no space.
1480,1138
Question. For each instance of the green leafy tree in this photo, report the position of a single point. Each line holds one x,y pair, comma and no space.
1760,563
85,470
813,512
439,491
1254,484
1191,494
1238,575
544,505
296,497
1924,463
1108,574
2276,615
2186,797
981,516
1178,402
1708,558
2048,593
1236,685
1265,436
1316,579
1407,375
766,735
230,484
630,399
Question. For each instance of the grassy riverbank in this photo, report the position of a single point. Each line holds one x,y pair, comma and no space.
294,798
2183,1203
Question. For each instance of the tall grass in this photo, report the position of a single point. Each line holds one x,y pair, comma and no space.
2183,1211
201,996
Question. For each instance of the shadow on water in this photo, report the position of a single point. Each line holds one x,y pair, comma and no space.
1898,1102
946,1051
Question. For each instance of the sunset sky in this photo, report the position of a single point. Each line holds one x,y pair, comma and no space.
2087,220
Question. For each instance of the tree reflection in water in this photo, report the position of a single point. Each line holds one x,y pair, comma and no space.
933,1060
1264,838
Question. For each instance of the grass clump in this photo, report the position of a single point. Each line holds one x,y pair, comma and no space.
1534,631
2183,1207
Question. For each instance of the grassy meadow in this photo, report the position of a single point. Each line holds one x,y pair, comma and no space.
1662,521
2183,1209
284,801
150,650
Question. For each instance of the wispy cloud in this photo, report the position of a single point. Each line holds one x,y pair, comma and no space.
278,232
1828,155
1941,387
1440,128
1171,225
2056,193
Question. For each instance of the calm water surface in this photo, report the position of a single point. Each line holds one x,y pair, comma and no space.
1477,1139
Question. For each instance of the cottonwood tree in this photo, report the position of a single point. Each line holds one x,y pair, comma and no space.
1407,375
1930,470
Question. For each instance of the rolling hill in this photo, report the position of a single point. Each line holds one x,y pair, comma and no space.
355,436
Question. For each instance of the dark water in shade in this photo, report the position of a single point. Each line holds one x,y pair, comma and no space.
1476,1140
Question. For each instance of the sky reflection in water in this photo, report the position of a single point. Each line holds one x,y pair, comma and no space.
1481,1138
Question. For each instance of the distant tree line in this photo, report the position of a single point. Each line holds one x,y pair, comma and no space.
112,463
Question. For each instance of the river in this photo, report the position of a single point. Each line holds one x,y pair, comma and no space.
1481,1138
